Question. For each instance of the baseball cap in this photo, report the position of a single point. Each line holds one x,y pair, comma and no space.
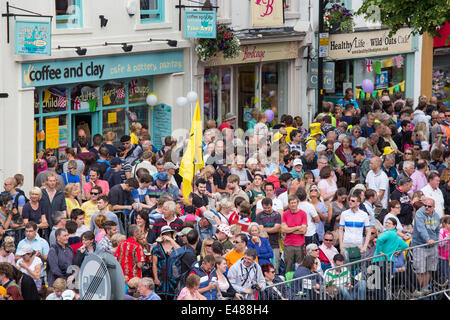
298,162
185,231
169,165
163,177
210,217
116,161
321,147
26,248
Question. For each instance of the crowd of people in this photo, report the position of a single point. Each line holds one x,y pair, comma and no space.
286,201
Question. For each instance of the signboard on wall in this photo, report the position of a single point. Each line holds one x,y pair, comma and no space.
369,44
59,72
328,75
267,13
253,53
161,124
200,24
33,38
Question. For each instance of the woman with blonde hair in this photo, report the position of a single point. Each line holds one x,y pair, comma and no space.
135,131
72,195
33,211
262,245
224,208
206,247
207,174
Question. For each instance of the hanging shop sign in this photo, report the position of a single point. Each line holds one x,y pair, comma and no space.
50,73
200,24
369,44
33,38
254,53
267,13
328,75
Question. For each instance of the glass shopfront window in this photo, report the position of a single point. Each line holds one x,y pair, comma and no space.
87,111
217,93
274,88
60,132
247,79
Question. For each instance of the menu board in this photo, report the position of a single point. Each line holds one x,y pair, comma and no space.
161,124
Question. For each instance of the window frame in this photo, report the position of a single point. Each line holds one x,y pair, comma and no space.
160,12
78,15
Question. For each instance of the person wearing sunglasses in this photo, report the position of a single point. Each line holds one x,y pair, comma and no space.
426,231
90,207
352,224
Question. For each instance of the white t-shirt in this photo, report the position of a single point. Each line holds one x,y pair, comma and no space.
323,185
354,223
378,182
36,261
390,215
284,199
438,198
277,205
310,213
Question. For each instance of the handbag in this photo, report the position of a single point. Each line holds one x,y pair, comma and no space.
354,254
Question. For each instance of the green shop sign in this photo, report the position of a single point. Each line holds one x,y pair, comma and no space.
105,68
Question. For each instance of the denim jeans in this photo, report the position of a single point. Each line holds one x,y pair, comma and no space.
357,293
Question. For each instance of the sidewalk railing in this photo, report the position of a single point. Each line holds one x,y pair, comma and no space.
415,273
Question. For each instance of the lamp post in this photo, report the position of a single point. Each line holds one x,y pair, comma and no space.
322,4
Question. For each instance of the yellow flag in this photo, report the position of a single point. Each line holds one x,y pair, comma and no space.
357,93
402,86
192,160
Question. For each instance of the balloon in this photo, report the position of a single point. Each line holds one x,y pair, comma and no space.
270,115
152,99
181,101
192,96
367,86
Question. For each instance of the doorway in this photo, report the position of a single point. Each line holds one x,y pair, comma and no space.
82,121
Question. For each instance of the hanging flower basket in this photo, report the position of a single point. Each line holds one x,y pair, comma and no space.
225,42
338,18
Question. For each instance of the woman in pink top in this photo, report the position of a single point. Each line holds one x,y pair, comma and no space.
7,250
444,233
190,291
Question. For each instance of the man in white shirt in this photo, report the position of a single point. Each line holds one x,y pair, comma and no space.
292,187
351,228
277,205
431,190
311,214
378,180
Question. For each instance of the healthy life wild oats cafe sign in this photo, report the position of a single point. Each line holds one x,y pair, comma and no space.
369,44
97,69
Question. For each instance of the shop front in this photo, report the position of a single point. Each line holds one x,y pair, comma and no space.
96,94
258,78
441,65
389,62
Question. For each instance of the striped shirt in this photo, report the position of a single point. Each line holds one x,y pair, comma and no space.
354,224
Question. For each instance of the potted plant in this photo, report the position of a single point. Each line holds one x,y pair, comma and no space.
225,42
338,18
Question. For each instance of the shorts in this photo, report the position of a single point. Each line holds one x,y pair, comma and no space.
425,259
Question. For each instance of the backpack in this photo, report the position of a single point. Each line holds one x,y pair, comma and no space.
174,263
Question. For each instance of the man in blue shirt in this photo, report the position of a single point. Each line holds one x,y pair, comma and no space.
145,289
348,98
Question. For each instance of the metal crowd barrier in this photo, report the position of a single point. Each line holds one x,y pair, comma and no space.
368,280
18,234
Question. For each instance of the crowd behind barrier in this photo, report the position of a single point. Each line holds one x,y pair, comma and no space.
353,207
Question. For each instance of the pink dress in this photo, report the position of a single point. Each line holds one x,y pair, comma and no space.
185,292
444,245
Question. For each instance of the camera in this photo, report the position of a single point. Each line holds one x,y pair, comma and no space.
255,286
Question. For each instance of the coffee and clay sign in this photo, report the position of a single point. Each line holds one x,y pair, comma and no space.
103,68
369,44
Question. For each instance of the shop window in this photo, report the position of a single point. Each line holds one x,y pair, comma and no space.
68,14
138,89
217,94
141,113
273,89
56,135
54,99
152,11
37,102
114,94
247,99
83,96
114,120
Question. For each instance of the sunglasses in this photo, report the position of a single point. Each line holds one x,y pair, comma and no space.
408,153
236,242
352,200
427,206
94,193
271,271
328,240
